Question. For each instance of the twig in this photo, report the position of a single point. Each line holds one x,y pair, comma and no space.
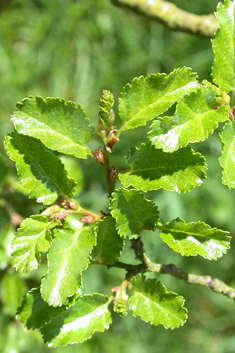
176,19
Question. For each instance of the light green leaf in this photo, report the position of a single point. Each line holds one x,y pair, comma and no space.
155,305
61,126
77,324
153,169
133,212
193,121
148,97
39,171
223,47
195,238
227,158
67,258
32,238
109,243
12,290
34,312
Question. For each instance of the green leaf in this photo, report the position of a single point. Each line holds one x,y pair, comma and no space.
39,170
133,212
153,169
193,121
195,238
32,238
12,290
227,158
34,312
61,126
67,258
148,97
79,322
109,244
223,47
155,305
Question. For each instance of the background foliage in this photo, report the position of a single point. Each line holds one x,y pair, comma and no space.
74,50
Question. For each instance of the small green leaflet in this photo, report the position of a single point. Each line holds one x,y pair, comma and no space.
39,171
34,312
153,169
109,243
193,121
155,305
133,212
223,47
227,158
148,97
61,126
32,238
77,324
195,238
67,258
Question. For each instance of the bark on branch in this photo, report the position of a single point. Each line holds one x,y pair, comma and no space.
169,14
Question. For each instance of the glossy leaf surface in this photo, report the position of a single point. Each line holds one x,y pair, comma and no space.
155,305
77,324
39,171
67,258
109,243
133,212
227,159
193,121
153,169
195,238
223,47
148,97
32,238
61,126
34,312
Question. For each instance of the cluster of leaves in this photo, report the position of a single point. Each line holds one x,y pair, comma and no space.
46,128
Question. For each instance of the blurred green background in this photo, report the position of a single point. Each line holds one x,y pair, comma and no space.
73,50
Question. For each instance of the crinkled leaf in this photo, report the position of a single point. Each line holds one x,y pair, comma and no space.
61,126
67,258
148,97
12,290
109,243
77,324
133,212
155,305
195,238
153,169
223,47
39,170
32,238
227,158
34,312
193,121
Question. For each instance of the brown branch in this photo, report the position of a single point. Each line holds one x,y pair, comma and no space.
176,19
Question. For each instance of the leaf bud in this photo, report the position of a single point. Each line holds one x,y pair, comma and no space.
114,174
99,157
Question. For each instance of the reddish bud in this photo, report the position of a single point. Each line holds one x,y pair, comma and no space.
114,174
87,219
99,157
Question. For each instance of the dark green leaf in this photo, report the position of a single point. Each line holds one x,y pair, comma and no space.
79,322
155,305
61,126
195,238
39,170
34,312
133,212
153,169
109,244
